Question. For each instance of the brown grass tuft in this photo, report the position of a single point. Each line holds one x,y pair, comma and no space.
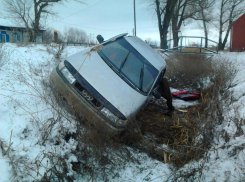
188,71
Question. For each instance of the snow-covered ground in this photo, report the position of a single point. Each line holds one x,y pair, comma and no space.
24,115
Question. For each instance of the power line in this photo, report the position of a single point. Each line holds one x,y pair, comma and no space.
85,26
83,9
81,25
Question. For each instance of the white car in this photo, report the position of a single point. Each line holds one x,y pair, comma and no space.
109,83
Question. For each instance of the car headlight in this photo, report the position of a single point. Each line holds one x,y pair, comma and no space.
112,117
68,75
121,122
109,114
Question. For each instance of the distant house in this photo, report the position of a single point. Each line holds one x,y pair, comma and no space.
238,35
17,34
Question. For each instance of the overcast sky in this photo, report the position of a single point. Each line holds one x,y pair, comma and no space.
112,17
106,17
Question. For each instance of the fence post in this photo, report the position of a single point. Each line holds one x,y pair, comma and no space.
201,46
166,45
181,44
56,36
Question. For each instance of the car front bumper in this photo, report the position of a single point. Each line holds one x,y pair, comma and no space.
80,104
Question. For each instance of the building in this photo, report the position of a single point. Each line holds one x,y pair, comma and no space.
237,42
17,34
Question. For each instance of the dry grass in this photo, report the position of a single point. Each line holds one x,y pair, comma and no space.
98,153
4,56
194,50
188,71
179,133
188,135
56,50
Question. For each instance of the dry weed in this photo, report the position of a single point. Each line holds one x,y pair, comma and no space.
56,50
4,56
188,71
97,153
189,135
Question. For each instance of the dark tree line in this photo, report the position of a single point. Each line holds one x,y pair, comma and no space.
176,12
230,10
32,14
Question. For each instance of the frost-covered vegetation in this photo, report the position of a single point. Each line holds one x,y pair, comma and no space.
43,139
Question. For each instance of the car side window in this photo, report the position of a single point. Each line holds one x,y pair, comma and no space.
159,79
149,77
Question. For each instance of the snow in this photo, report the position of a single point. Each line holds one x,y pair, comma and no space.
23,115
5,169
20,105
6,22
227,159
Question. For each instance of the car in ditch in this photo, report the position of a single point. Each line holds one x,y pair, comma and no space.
108,84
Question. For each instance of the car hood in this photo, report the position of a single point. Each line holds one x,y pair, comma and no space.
113,88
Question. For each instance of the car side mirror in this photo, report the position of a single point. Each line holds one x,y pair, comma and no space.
156,94
100,38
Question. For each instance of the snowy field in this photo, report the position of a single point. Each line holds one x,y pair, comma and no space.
24,72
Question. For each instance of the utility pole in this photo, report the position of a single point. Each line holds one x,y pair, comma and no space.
134,20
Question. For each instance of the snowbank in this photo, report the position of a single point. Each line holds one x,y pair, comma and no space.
27,68
22,80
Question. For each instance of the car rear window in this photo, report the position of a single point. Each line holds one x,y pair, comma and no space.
128,62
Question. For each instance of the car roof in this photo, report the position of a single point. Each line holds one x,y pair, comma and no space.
115,38
147,52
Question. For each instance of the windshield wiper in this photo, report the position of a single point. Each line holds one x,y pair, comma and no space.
124,62
141,77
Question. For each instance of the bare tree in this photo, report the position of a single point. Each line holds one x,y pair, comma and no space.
29,13
164,15
164,10
74,35
184,10
48,35
230,10
205,15
92,39
19,11
149,41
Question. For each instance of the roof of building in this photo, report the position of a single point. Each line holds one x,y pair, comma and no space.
6,22
242,16
8,25
12,28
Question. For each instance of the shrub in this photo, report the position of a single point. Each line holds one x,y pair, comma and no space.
56,50
4,56
188,71
189,135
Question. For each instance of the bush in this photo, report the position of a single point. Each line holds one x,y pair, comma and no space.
56,50
188,71
4,56
189,135
204,118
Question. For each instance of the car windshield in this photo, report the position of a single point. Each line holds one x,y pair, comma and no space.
128,62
